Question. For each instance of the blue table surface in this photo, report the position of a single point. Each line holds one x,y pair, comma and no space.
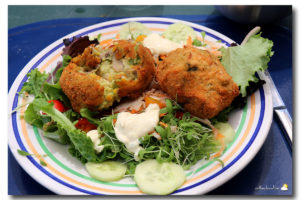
271,167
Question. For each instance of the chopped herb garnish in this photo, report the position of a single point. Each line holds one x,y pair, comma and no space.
220,161
197,43
203,38
24,153
99,37
43,163
203,35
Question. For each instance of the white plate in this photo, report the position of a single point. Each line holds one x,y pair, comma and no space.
66,175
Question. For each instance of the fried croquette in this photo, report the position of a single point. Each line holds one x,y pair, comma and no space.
101,76
198,81
144,71
82,89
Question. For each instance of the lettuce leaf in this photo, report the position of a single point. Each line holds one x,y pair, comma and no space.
82,143
241,62
35,81
55,92
89,115
75,153
53,131
33,117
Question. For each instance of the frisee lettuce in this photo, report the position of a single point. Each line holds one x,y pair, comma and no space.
34,84
242,62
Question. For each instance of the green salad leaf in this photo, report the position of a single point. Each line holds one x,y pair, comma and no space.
75,153
183,141
34,84
55,92
40,88
50,128
53,131
80,140
33,116
66,60
223,115
89,115
241,62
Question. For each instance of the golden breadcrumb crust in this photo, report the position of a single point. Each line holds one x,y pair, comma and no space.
82,85
198,80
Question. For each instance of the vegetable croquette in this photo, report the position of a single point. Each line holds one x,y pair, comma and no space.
102,75
198,81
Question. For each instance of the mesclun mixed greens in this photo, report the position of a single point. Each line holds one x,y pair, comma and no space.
179,137
188,143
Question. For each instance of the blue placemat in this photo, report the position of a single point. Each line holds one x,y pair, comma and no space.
271,167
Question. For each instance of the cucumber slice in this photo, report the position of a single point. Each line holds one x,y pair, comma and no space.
179,33
106,171
226,130
133,29
158,179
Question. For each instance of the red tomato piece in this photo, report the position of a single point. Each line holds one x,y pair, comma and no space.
84,125
59,105
179,114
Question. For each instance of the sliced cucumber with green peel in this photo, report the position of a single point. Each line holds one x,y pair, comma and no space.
132,30
158,179
226,130
179,33
106,171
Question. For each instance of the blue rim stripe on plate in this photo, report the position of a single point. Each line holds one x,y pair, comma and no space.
19,141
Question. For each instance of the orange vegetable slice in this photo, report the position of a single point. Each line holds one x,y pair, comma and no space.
140,38
149,100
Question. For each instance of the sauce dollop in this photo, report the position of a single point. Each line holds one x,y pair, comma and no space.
129,128
159,45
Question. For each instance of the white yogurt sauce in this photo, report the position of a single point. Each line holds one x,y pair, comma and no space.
130,127
159,45
94,135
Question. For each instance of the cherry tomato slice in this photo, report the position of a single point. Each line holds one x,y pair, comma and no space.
59,105
84,125
179,114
